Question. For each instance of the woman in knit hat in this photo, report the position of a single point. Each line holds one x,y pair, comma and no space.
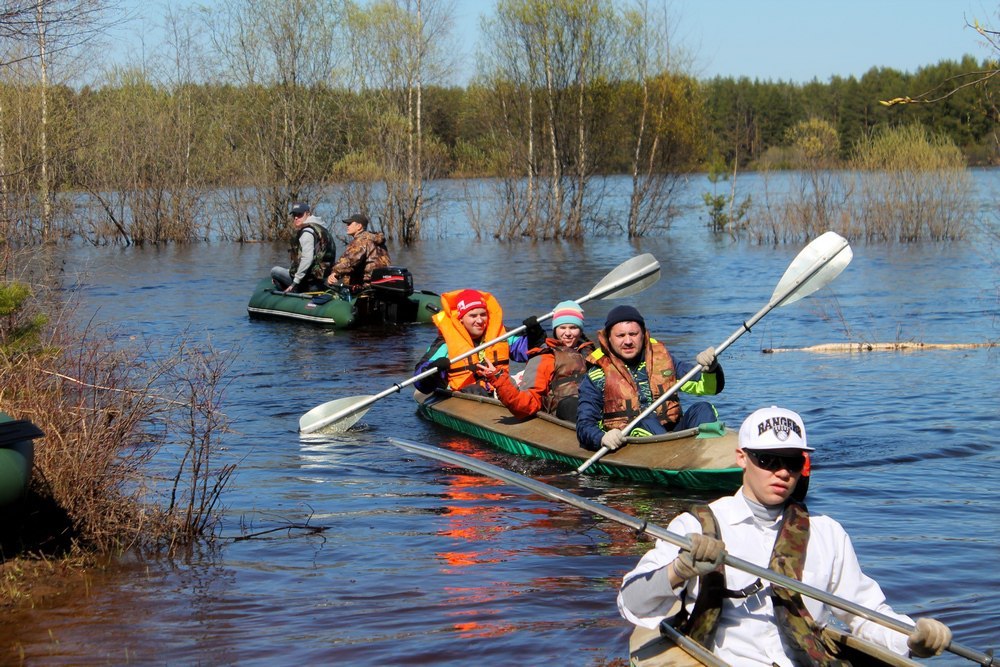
554,370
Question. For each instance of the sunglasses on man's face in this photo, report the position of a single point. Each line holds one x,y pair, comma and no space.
774,462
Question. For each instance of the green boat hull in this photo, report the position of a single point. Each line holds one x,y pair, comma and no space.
340,310
16,459
690,460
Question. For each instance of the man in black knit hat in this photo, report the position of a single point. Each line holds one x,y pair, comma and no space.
627,373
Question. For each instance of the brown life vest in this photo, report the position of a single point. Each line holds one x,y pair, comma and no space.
569,367
622,400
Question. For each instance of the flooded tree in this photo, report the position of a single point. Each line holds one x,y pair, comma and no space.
397,48
543,63
281,56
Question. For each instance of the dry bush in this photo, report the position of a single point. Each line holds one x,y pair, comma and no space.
912,186
131,434
905,185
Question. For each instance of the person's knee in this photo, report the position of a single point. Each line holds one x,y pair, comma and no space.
700,413
651,425
280,276
567,408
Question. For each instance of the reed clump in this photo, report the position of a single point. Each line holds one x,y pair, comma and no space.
900,185
130,457
911,186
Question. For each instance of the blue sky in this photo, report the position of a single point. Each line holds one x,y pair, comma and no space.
791,40
797,40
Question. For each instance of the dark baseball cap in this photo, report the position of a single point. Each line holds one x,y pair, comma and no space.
359,218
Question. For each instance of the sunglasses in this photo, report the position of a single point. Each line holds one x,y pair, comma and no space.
775,462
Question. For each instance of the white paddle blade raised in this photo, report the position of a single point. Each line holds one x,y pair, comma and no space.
628,278
814,267
318,419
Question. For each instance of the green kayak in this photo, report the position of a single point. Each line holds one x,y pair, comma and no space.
689,459
390,300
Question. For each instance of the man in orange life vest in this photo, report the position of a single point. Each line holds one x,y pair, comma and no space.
732,613
627,373
467,319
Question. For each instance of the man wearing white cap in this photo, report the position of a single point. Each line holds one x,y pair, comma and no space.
746,621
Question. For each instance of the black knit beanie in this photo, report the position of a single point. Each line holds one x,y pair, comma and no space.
623,314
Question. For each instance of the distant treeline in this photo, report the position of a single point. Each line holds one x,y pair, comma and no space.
144,152
956,99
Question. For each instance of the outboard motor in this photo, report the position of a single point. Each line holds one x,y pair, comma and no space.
392,283
391,288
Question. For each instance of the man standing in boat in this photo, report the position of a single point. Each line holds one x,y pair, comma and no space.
735,615
365,253
627,373
312,252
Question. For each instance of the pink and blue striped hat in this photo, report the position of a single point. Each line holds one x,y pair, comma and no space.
568,312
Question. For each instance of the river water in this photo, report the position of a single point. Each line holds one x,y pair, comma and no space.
361,554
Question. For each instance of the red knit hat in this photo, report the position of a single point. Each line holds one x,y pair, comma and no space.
469,299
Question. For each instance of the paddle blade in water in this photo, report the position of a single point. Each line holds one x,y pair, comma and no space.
328,417
819,262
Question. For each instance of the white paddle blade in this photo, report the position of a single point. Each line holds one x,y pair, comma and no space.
628,278
331,418
819,262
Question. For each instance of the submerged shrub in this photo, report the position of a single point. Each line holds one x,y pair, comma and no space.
911,186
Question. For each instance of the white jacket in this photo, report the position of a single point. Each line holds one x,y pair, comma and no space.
747,633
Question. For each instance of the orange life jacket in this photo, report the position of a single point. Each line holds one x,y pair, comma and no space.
621,393
457,338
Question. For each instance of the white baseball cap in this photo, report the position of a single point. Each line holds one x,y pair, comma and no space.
773,428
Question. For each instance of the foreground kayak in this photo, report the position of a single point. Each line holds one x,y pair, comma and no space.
391,300
17,451
648,648
688,459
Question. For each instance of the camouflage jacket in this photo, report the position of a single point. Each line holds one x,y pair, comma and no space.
363,255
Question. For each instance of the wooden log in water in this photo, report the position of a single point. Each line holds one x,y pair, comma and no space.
899,346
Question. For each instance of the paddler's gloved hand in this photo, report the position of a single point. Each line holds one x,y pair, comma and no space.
929,638
442,364
707,359
533,332
613,439
705,555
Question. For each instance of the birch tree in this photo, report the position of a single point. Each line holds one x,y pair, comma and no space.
662,116
282,55
40,34
397,48
547,55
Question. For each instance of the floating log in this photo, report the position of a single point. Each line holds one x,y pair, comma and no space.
900,346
